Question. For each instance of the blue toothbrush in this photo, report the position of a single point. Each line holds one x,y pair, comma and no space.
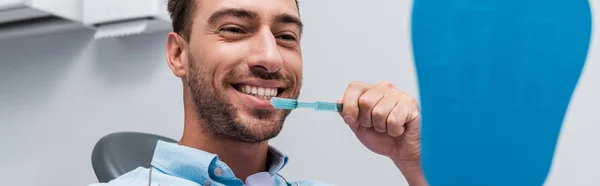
291,104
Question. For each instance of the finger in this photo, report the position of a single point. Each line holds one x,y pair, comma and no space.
368,100
350,102
383,110
413,117
396,121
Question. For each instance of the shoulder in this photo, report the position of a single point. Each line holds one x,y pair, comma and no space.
139,177
311,183
126,179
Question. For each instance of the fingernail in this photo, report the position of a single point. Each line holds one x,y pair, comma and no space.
349,119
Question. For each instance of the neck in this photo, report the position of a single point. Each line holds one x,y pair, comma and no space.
244,159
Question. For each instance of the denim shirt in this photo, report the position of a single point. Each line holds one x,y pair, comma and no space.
177,165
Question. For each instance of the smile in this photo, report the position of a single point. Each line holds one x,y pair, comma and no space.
265,93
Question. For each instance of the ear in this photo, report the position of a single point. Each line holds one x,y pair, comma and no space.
177,54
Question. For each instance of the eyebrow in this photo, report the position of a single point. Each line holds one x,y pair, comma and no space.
289,19
232,12
249,14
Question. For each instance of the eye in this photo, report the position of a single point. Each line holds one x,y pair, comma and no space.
287,37
287,40
234,30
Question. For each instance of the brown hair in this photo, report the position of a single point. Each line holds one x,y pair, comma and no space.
181,13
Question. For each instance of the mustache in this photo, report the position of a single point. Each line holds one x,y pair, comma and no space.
263,74
260,73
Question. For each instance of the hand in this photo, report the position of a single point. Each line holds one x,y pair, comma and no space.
386,121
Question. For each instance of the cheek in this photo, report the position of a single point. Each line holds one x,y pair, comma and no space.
229,55
230,49
293,63
222,58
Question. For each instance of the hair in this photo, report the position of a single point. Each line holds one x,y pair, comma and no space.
181,12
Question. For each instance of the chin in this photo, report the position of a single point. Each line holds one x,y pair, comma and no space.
263,123
263,117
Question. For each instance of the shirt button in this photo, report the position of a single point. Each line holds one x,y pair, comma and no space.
218,171
206,182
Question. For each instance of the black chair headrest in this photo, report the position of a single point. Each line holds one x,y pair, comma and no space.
118,153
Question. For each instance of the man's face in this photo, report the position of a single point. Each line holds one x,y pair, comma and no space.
242,53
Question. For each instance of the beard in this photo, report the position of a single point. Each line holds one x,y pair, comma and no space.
221,119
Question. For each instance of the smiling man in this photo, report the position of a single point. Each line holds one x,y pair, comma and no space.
232,57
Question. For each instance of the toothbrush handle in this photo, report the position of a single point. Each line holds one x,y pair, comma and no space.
339,107
327,106
308,105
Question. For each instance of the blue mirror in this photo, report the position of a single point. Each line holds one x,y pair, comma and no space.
495,80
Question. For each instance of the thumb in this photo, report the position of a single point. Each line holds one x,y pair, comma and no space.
414,119
353,126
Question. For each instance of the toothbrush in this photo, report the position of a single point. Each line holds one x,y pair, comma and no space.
291,104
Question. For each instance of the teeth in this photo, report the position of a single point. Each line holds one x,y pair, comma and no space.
248,89
261,92
273,92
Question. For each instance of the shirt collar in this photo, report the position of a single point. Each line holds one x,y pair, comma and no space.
197,165
278,160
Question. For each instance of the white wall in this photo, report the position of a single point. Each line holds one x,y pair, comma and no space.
60,93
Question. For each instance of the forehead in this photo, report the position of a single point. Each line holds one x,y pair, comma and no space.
264,7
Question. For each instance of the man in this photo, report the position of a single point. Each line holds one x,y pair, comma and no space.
232,57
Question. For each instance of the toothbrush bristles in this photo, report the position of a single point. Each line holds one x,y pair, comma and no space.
283,103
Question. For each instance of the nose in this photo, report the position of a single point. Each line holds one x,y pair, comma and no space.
265,53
